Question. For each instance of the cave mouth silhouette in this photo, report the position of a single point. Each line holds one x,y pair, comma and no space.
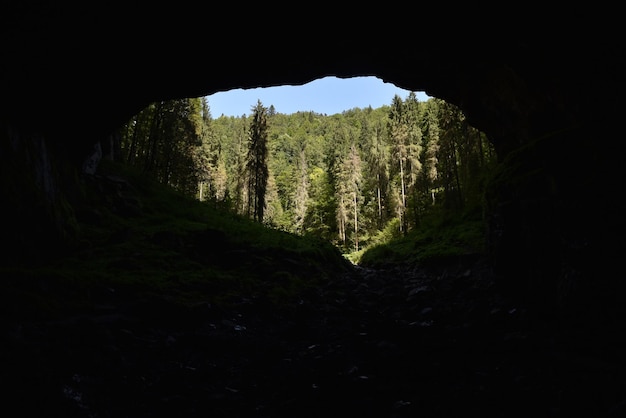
556,230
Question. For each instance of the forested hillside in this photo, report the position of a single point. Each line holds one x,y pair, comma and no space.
355,179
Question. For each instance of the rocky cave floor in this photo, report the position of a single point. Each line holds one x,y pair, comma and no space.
377,343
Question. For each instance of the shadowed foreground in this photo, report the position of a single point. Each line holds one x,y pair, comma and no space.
393,343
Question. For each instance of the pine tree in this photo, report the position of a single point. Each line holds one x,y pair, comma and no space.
431,152
448,124
339,176
378,164
256,164
398,136
274,213
301,198
321,207
414,150
203,158
239,157
161,141
355,178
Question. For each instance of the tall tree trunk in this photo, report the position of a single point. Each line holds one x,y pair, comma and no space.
132,149
380,206
403,223
341,224
356,224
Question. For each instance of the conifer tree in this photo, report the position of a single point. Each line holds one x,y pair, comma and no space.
181,129
239,185
339,170
429,178
301,198
256,164
378,164
414,150
354,181
273,214
321,208
449,130
398,137
204,160
161,141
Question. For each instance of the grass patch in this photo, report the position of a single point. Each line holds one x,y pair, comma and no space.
139,242
434,242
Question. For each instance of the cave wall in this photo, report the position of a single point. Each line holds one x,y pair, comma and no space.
547,92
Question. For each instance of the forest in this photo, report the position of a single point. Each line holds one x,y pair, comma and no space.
356,179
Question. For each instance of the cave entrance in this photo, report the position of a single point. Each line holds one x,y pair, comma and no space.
368,163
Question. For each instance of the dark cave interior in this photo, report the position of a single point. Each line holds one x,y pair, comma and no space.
550,98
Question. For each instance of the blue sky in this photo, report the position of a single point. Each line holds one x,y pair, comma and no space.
329,95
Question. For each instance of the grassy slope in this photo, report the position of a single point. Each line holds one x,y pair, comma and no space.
438,241
143,244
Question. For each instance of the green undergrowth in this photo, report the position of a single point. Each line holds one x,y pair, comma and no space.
143,244
435,242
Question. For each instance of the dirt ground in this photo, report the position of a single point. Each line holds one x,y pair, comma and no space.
376,343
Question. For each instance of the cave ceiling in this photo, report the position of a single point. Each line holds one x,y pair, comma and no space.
76,73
